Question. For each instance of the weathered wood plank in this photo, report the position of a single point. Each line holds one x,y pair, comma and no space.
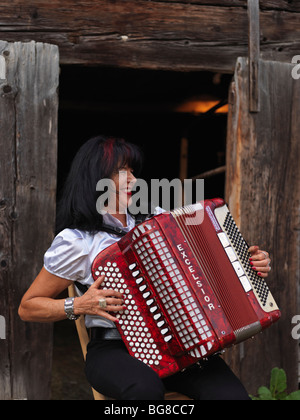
28,112
179,55
289,5
181,35
263,191
150,20
7,171
254,54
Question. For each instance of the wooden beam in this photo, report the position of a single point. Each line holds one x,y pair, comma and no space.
184,153
211,173
181,35
287,5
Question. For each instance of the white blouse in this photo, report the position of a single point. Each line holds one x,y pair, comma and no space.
73,251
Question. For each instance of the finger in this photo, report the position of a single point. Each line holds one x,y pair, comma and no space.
263,269
115,308
259,256
110,293
253,249
263,275
265,253
112,303
112,306
97,282
108,316
260,263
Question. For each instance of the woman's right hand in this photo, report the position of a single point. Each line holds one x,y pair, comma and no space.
88,304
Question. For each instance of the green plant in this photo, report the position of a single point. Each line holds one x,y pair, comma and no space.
277,389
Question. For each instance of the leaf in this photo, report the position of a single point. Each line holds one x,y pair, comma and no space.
294,396
278,383
281,396
264,393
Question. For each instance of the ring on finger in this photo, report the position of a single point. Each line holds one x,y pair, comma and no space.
102,303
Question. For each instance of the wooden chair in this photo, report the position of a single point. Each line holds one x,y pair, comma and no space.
84,340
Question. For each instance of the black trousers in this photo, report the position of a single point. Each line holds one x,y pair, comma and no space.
113,372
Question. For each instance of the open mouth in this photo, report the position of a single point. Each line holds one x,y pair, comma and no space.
126,191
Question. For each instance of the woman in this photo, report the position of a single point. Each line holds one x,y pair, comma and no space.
82,234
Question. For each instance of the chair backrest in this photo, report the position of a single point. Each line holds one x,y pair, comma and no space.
83,338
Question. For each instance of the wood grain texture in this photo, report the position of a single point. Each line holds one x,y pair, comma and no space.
253,54
263,191
170,35
28,112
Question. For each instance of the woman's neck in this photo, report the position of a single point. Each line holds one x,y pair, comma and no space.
122,217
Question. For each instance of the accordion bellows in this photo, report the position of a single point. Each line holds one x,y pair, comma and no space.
188,287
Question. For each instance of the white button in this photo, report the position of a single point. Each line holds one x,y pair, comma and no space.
224,240
231,254
245,283
238,268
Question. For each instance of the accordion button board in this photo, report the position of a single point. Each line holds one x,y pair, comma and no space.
237,242
188,287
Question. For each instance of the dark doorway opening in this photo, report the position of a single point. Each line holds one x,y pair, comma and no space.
156,110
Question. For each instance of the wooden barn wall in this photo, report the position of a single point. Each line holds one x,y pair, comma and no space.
28,144
165,34
263,192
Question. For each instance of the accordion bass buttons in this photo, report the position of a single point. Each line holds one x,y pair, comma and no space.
150,301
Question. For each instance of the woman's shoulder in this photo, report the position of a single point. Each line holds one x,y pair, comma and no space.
82,241
71,239
68,255
72,234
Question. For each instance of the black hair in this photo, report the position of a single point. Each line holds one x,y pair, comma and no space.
97,159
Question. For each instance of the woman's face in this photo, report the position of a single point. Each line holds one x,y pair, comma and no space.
123,182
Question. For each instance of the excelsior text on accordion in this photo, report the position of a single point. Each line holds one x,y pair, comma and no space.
188,287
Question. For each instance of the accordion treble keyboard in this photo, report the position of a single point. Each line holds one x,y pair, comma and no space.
187,288
172,290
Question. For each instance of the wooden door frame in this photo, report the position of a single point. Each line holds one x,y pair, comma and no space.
28,143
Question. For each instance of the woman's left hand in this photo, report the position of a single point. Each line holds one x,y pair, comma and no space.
260,261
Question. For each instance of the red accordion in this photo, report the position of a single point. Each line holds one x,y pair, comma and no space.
188,287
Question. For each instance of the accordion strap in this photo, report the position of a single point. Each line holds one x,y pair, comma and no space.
112,229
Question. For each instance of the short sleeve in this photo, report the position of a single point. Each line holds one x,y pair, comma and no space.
158,210
68,256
